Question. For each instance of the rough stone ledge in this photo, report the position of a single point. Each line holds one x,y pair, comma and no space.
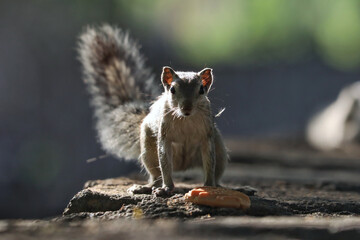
108,199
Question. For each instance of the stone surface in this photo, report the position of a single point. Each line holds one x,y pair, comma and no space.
109,199
295,193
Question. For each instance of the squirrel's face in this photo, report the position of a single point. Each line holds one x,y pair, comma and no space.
187,91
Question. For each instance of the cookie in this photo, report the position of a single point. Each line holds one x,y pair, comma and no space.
218,197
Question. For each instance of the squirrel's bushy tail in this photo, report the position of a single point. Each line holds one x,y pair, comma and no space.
118,82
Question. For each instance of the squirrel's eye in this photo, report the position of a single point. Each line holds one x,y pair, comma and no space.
201,91
172,90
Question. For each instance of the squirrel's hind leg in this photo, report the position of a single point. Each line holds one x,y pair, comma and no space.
222,157
149,159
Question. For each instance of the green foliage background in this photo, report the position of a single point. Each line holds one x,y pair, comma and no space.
251,31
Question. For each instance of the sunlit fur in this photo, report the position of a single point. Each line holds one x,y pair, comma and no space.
120,86
177,130
184,136
187,86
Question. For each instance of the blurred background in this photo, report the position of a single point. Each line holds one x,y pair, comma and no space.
276,63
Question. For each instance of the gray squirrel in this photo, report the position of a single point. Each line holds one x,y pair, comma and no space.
175,132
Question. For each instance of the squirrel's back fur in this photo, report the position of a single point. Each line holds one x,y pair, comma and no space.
119,84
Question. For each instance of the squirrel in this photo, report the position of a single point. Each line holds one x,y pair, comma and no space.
174,133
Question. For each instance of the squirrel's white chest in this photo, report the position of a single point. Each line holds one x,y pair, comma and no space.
186,137
194,128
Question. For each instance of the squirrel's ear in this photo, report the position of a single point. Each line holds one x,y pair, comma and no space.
167,76
206,77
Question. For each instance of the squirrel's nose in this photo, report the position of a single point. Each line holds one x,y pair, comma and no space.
186,110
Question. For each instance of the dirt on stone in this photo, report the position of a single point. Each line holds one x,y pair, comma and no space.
109,199
295,193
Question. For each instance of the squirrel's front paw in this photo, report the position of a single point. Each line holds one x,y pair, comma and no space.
162,191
